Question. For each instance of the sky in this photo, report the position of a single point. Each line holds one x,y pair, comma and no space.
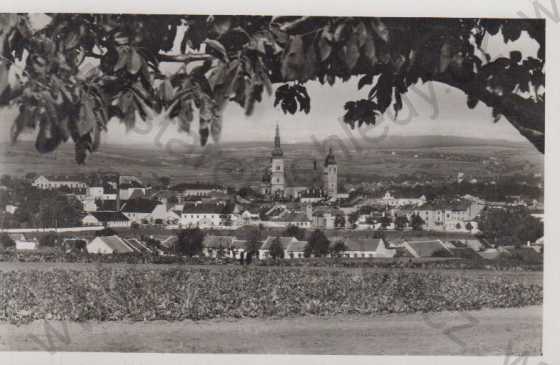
432,109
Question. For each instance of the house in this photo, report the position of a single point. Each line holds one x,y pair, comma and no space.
293,248
23,243
296,249
10,208
106,219
426,248
364,247
538,245
227,246
206,214
99,193
247,218
88,204
289,218
145,211
44,183
173,216
326,218
109,245
391,201
449,215
198,189
131,192
74,244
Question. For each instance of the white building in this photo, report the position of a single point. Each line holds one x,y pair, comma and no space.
392,201
109,245
45,183
197,189
206,214
364,247
106,219
145,211
10,208
227,246
293,248
98,193
23,243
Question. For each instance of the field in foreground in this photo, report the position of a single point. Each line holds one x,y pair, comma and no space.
195,293
483,332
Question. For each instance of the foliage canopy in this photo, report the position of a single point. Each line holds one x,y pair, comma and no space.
236,58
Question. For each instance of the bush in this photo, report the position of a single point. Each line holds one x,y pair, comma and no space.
189,242
276,249
49,240
6,241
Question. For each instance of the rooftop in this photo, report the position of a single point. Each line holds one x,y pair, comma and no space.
109,216
140,206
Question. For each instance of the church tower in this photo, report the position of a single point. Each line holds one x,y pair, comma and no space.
330,175
277,181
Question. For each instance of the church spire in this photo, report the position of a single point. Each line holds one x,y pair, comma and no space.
277,152
329,160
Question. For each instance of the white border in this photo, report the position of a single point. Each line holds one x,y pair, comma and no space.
415,8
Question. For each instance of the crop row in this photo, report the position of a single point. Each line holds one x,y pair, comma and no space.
108,294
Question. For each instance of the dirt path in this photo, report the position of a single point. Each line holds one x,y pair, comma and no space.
484,332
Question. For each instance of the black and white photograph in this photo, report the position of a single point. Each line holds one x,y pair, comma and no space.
272,184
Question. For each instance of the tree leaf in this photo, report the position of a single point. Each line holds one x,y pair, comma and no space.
325,48
351,51
166,92
397,105
218,47
216,128
444,57
362,34
135,62
217,76
203,130
365,80
471,101
368,51
4,72
72,40
380,29
124,56
87,120
294,59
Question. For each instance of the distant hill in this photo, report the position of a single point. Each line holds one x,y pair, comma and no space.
390,142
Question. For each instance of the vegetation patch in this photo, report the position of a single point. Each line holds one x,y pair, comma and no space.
107,294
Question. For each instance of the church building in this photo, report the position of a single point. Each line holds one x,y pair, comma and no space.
274,180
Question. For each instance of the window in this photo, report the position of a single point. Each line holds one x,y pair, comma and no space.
278,167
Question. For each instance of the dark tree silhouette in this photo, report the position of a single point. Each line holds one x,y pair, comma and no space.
237,58
189,242
276,249
318,243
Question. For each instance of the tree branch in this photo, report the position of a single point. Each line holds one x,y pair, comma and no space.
526,115
184,58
